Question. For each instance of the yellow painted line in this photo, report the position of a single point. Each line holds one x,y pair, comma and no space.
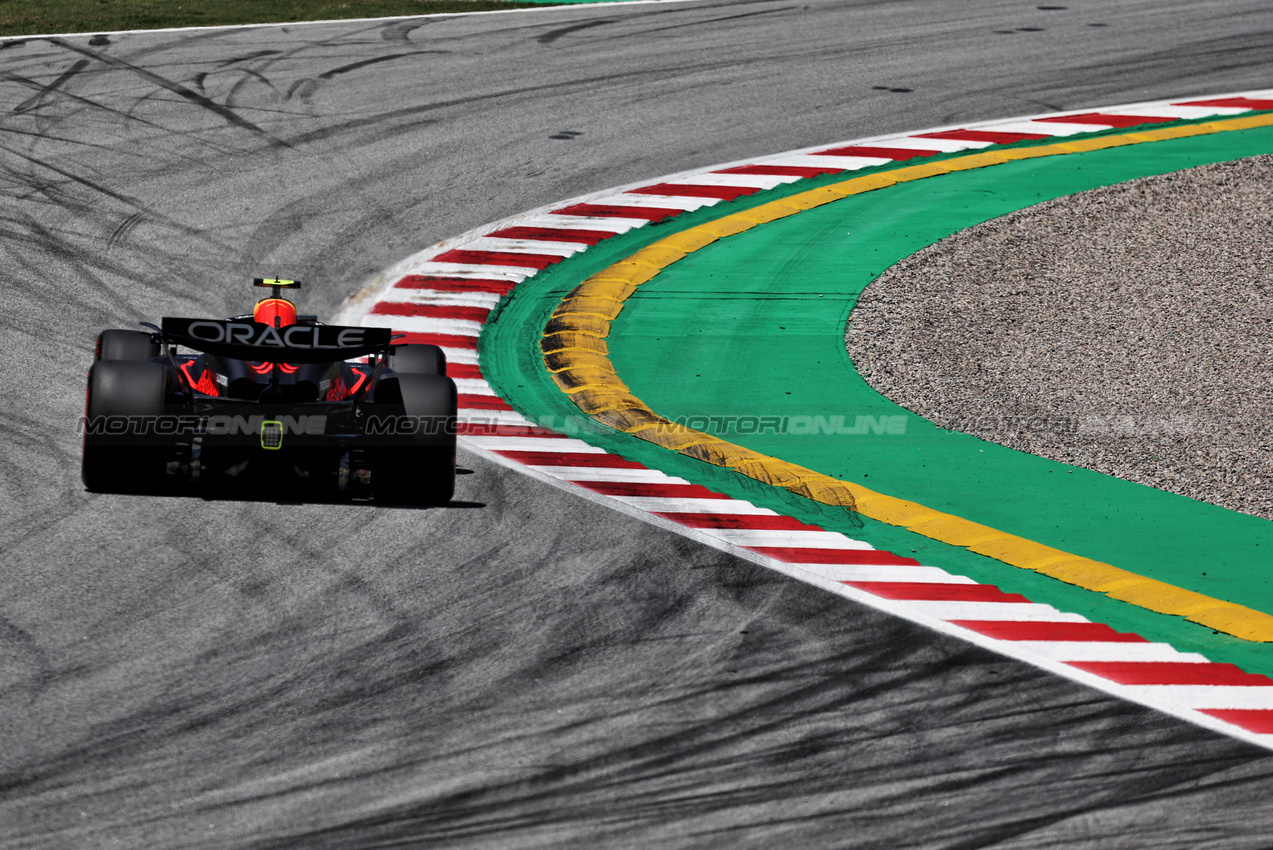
574,351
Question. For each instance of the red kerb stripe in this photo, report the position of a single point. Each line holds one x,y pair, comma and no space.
1101,118
993,136
455,284
937,591
432,311
618,211
1257,720
641,488
1048,631
757,522
725,193
554,234
493,429
497,258
589,459
883,153
1239,102
796,555
463,370
782,170
1172,673
481,402
445,340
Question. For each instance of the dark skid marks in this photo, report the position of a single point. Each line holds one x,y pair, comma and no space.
37,98
308,85
202,101
812,717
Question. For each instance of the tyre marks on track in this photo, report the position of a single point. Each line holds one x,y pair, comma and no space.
445,294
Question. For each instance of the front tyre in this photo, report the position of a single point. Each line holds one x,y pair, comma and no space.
417,359
126,345
122,450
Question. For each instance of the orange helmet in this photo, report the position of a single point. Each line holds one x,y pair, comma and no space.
275,312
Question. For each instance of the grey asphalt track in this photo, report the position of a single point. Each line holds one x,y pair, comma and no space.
523,668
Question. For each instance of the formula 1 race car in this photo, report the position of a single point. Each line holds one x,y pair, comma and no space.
270,402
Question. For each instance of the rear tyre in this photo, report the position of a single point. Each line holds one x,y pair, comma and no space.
415,477
417,468
418,359
122,452
126,345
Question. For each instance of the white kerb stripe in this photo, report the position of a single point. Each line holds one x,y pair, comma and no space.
936,145
468,356
847,163
512,274
589,222
524,246
1106,650
884,572
481,416
1203,696
474,386
793,538
1047,128
425,324
671,202
576,222
590,473
402,295
1030,612
535,444
737,181
691,506
1186,112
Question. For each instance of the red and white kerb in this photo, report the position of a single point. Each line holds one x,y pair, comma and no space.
443,295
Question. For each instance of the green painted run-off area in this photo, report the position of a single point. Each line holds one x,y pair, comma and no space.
752,327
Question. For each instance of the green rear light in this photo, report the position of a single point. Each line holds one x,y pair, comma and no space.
271,434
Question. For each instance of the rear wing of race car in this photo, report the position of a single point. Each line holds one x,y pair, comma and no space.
301,343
